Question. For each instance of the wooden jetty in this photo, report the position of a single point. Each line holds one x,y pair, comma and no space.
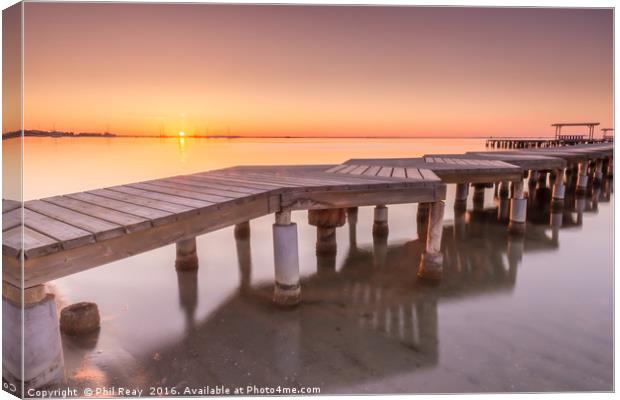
50,238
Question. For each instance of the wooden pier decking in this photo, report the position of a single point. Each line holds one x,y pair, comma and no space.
66,234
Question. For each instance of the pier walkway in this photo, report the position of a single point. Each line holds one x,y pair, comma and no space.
53,237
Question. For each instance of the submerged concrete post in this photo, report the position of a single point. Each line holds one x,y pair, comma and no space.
43,362
533,178
558,186
555,221
326,222
610,167
582,180
542,179
287,290
187,259
460,197
380,225
431,263
518,210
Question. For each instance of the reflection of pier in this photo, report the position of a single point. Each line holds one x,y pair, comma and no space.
372,301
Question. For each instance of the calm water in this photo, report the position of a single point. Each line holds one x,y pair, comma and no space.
512,314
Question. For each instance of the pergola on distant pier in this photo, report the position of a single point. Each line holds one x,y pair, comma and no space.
589,125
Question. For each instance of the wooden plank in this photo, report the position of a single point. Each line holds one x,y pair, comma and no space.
263,180
336,168
35,244
359,170
209,198
68,235
342,199
385,172
189,180
212,177
428,175
372,171
130,222
198,189
177,209
184,201
348,169
12,219
413,173
53,266
399,173
9,205
101,229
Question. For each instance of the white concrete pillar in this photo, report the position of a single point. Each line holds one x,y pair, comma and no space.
380,224
460,197
582,180
431,263
555,221
187,259
558,186
43,362
518,209
287,290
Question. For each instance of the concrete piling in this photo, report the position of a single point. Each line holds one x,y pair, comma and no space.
431,263
187,259
287,290
41,363
380,225
558,187
326,222
582,179
518,210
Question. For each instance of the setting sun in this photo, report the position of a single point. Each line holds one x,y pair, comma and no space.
181,134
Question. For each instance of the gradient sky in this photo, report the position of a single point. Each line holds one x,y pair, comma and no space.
322,70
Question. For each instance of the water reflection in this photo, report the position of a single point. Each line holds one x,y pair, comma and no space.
373,300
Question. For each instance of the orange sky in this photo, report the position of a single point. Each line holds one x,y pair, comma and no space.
324,71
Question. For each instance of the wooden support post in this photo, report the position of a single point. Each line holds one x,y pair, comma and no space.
42,359
533,178
610,168
380,225
478,197
244,258
558,186
352,221
242,230
187,259
287,290
431,263
460,197
422,220
326,222
504,190
542,179
582,179
518,210
598,172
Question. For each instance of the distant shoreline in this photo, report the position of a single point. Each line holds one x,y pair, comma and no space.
58,134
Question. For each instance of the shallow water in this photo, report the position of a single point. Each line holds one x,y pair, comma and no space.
512,314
